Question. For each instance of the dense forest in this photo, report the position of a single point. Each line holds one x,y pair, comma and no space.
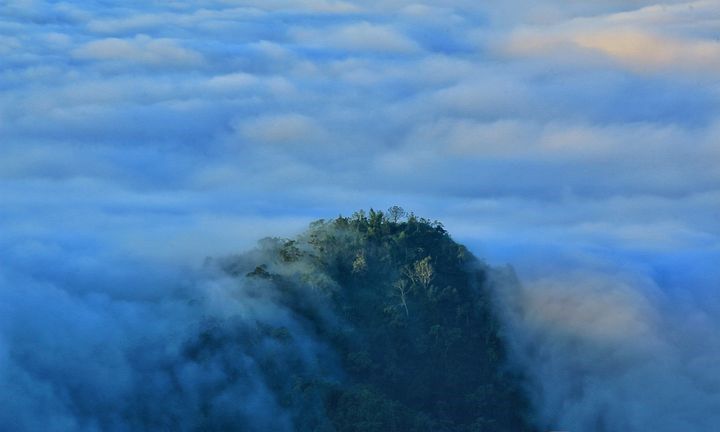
402,318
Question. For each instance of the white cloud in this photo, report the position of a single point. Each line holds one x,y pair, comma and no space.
643,51
233,81
363,36
650,39
306,6
283,128
594,336
141,49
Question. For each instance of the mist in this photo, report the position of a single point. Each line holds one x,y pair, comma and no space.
90,341
573,141
109,344
607,347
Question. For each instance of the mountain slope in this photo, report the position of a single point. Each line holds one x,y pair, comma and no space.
405,317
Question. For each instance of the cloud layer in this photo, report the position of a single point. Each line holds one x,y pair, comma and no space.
337,105
92,342
544,133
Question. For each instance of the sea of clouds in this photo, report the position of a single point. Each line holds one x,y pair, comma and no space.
574,140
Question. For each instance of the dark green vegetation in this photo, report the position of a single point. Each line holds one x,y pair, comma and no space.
406,312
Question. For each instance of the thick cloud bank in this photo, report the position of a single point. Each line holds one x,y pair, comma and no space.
169,122
112,345
165,132
609,350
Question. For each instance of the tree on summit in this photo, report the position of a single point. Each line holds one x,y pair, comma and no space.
395,213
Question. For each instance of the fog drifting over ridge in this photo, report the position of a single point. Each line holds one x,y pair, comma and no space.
576,141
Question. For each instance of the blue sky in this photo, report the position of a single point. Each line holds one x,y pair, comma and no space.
550,134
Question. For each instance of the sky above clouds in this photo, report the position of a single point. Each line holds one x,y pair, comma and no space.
542,133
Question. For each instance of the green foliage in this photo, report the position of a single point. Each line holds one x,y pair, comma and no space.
366,409
417,336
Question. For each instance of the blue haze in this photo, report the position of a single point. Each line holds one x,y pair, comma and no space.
138,139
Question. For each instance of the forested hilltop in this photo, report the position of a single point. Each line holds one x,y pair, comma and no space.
404,317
